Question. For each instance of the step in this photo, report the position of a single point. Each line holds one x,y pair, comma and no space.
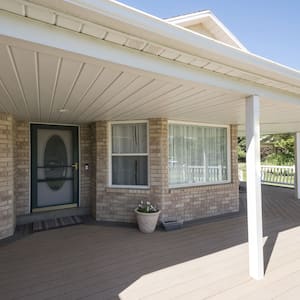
53,214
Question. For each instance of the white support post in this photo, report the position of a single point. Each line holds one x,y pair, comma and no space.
297,165
254,204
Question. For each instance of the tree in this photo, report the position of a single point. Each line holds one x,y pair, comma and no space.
241,149
281,145
284,153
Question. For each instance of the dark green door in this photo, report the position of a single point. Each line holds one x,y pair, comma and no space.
54,165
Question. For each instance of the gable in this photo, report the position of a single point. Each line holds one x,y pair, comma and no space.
207,24
202,29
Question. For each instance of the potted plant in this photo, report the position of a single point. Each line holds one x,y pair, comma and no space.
147,216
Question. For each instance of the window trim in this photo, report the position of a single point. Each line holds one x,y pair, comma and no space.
196,184
110,155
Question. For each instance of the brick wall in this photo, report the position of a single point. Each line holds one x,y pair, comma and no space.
117,204
93,169
22,168
7,209
110,204
105,207
158,150
85,158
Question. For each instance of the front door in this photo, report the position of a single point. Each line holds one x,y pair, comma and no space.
54,166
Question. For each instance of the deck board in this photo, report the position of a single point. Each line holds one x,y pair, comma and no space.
201,261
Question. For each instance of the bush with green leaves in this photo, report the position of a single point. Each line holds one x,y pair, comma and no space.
283,149
147,207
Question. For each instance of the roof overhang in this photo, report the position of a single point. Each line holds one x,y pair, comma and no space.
109,35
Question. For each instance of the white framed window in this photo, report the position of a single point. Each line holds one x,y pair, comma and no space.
129,154
199,154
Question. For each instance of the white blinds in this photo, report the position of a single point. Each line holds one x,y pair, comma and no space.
197,154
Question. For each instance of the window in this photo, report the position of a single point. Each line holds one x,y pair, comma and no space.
198,154
129,154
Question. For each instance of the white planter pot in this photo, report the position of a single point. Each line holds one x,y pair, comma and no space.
146,221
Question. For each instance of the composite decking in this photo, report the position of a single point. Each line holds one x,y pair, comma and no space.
201,261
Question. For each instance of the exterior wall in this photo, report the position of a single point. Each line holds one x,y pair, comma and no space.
7,207
85,158
158,161
93,169
105,206
107,203
117,204
22,168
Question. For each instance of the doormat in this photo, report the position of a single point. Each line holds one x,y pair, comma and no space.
56,223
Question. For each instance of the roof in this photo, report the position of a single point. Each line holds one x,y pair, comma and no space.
212,24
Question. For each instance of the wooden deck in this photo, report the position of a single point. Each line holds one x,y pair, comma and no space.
204,261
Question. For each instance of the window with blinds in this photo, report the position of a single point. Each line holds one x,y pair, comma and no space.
129,154
198,154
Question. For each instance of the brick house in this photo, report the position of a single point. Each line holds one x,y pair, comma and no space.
103,106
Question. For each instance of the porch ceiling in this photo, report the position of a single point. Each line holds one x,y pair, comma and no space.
35,85
37,82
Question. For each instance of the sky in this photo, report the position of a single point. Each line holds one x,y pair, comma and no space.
269,28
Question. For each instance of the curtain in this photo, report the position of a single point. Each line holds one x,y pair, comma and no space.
197,154
128,168
129,138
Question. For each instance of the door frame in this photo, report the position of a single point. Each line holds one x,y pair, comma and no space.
33,126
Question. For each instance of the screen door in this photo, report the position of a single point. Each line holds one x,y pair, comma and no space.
54,165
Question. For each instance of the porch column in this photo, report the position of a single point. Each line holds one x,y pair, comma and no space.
254,205
297,164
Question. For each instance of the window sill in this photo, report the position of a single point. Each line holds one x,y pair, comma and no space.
197,185
132,187
127,189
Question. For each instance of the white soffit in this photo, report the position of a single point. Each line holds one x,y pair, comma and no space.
36,84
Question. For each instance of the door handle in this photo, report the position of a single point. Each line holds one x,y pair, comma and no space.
75,166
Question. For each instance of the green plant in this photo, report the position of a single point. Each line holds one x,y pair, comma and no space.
283,153
147,207
241,149
277,149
